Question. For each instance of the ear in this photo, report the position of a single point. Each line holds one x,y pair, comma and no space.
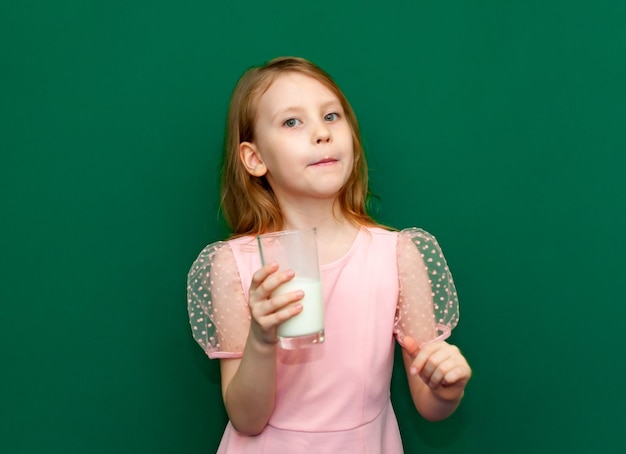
251,159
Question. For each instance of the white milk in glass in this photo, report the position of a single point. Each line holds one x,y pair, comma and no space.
311,319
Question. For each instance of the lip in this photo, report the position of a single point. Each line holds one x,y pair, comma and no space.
325,161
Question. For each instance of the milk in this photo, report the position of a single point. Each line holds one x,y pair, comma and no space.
311,319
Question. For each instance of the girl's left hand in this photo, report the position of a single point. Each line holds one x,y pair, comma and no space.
440,366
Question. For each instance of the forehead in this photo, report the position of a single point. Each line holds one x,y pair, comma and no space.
291,89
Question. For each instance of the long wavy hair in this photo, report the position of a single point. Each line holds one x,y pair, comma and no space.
248,203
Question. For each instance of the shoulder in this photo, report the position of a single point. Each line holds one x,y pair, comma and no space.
378,239
419,237
224,253
242,240
232,252
244,247
214,256
229,246
207,255
411,234
381,232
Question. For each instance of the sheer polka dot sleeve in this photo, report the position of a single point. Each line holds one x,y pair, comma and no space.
218,309
428,306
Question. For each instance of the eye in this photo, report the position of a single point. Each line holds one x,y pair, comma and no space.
292,122
331,116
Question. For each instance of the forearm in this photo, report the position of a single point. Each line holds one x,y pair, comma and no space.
249,396
431,406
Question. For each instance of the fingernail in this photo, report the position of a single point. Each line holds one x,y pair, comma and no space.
413,370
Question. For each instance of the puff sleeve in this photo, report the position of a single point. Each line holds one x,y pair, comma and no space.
217,306
428,307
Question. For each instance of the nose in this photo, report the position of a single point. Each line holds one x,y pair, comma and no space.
322,134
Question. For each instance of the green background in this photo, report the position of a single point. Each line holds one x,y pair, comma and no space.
499,126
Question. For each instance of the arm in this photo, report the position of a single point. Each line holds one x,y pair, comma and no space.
249,383
427,312
248,387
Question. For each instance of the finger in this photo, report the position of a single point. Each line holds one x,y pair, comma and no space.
433,366
273,311
427,354
445,368
285,313
410,345
279,302
267,314
275,280
457,375
438,375
261,274
271,321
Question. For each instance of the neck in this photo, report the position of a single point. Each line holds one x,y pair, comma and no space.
335,233
319,213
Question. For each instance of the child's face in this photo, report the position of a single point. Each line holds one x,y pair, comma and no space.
302,138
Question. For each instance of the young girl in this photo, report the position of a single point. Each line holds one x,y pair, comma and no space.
294,160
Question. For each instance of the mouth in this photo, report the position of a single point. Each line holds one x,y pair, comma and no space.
325,161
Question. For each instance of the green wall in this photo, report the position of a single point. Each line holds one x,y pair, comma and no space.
497,125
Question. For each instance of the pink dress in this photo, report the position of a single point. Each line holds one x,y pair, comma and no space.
335,397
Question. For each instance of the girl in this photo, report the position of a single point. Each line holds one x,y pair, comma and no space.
294,160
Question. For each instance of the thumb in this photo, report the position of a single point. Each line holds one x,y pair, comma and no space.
410,345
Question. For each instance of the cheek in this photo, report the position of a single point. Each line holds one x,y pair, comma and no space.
348,136
350,144
269,149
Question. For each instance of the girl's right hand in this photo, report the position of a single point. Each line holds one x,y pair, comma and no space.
267,312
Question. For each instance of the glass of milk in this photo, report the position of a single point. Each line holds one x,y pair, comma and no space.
297,250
